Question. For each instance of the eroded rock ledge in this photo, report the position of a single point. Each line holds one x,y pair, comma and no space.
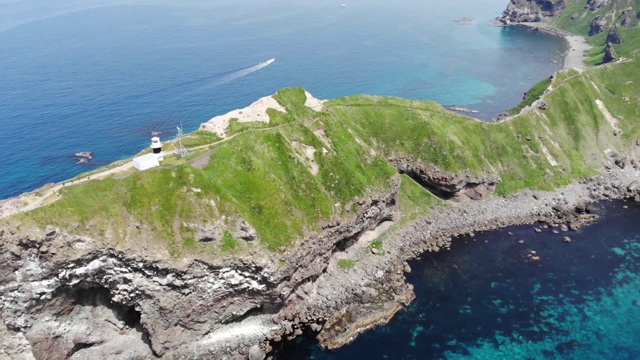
531,10
64,296
341,304
444,185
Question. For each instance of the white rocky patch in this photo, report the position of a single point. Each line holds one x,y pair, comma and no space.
320,133
312,102
368,237
247,329
310,152
610,118
550,158
257,111
309,156
106,270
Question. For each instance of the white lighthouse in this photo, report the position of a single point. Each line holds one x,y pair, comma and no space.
148,161
156,145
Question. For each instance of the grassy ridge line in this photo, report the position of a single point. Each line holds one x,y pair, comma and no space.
573,131
531,96
264,177
267,177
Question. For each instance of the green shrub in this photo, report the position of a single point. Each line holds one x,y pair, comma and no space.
346,263
229,242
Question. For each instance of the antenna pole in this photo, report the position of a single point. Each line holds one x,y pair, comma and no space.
182,151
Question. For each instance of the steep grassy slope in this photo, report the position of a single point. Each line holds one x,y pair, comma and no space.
307,167
540,149
282,179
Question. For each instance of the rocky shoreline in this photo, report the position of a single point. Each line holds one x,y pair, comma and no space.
384,274
249,304
577,46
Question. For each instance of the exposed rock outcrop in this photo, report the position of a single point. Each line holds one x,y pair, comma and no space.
107,303
597,4
66,297
609,54
597,25
531,10
614,36
445,185
627,19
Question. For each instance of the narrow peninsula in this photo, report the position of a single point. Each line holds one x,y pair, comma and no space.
298,215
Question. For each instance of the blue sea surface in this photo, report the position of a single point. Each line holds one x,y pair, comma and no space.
485,299
101,76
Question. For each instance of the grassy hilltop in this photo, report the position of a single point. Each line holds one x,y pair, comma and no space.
307,167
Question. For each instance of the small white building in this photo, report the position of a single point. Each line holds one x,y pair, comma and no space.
147,161
152,160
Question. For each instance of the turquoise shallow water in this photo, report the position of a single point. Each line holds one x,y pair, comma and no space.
102,75
485,300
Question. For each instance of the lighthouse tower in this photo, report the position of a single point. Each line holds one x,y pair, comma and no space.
156,145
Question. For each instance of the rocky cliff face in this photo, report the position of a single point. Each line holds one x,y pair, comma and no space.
65,297
531,10
445,185
613,17
617,12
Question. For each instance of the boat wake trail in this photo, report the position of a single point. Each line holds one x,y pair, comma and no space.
243,72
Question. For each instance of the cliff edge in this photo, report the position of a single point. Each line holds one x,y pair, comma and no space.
610,26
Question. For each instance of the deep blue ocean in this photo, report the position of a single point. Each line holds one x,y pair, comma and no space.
101,76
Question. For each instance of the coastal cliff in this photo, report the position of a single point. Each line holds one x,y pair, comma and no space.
604,23
531,10
300,221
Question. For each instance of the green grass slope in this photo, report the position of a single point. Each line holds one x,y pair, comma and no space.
306,167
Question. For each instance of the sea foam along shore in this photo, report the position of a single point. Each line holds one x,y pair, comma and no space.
577,45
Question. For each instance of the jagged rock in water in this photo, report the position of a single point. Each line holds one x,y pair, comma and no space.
83,157
597,4
614,36
531,10
597,25
609,54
